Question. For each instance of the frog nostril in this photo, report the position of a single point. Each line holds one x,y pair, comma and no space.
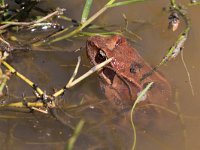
100,57
119,41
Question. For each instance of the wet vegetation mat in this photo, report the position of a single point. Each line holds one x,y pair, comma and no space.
70,78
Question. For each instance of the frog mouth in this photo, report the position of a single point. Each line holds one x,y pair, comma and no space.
108,74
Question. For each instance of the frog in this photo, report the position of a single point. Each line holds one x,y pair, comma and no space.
123,79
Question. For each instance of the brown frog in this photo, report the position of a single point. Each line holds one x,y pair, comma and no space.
122,79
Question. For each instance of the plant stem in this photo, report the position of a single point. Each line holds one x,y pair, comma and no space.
87,22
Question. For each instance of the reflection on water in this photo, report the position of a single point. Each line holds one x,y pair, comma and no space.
107,128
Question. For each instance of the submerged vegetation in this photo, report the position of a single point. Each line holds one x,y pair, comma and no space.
16,19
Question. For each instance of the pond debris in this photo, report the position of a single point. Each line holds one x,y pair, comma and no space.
188,74
85,23
45,111
58,11
172,53
44,101
194,2
19,12
4,76
174,21
176,48
15,21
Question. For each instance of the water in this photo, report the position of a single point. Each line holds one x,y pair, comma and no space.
105,127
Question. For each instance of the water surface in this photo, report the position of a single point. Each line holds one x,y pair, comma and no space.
106,128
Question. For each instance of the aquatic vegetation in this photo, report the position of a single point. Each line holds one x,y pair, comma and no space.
20,18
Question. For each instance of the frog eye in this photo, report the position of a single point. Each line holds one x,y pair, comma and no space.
100,57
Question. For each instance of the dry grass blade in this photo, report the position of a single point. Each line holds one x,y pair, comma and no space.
188,74
9,23
73,81
91,71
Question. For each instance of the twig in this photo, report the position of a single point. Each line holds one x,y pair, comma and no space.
75,71
188,74
40,110
4,41
21,104
91,71
9,23
29,82
59,11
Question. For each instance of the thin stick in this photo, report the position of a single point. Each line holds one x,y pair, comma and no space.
40,110
21,104
29,82
57,12
75,71
4,26
91,71
4,41
188,74
9,23
71,79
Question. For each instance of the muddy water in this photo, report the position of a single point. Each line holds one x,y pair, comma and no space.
105,127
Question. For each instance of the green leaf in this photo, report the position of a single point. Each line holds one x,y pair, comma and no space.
124,3
139,98
75,135
86,10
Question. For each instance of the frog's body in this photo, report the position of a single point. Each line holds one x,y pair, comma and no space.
121,79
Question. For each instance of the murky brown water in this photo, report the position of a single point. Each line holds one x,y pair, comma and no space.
105,128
